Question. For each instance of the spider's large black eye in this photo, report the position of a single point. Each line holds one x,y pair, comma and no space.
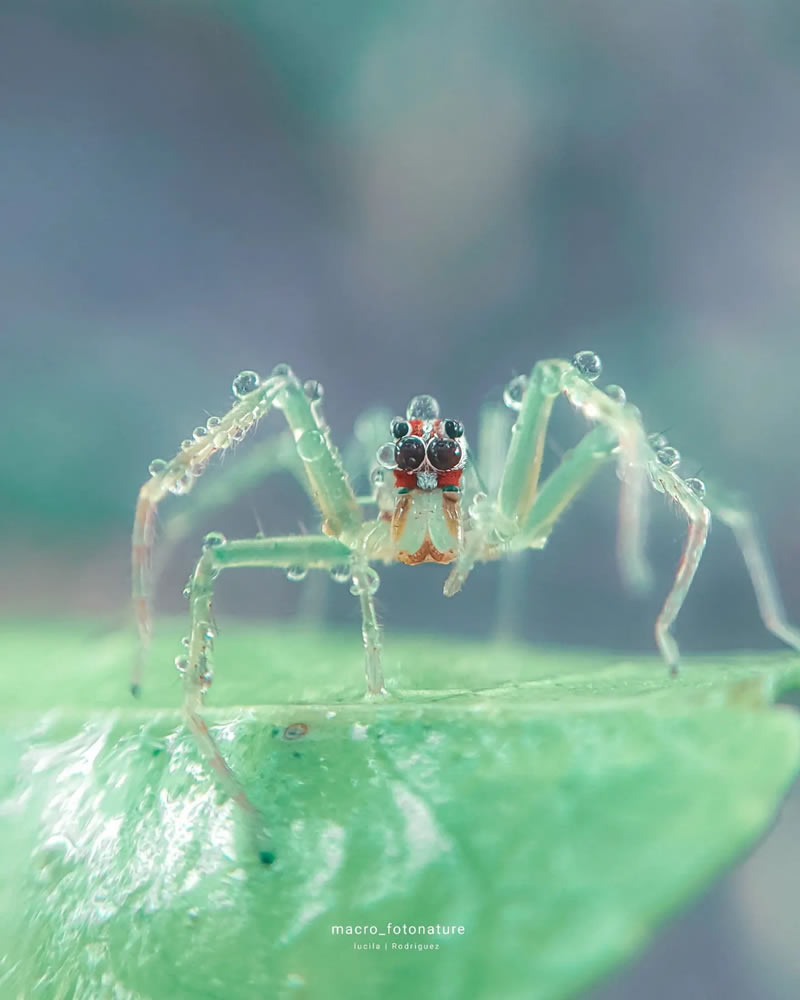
453,428
409,453
400,428
444,453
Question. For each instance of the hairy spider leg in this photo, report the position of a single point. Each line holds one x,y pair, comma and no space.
733,512
699,518
324,478
308,551
178,476
518,489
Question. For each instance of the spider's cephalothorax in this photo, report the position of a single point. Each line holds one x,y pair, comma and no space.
427,459
431,507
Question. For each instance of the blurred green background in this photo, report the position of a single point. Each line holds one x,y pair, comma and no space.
402,198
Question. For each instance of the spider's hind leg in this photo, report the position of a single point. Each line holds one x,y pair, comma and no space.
732,511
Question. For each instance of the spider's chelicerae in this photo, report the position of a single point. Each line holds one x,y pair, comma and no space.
432,507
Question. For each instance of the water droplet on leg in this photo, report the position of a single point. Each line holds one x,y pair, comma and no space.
296,573
311,446
588,364
514,392
669,457
697,486
245,383
157,466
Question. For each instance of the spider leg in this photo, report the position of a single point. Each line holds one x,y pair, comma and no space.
731,511
699,518
324,477
499,524
576,469
306,551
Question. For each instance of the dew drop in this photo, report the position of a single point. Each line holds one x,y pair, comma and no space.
311,446
340,574
186,642
182,485
668,456
377,477
181,663
245,383
186,444
616,392
187,590
284,370
213,422
697,486
385,455
313,390
296,573
514,392
368,581
588,364
422,408
658,441
237,433
157,466
199,432
213,539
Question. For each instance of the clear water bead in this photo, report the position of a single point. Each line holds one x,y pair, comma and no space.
182,485
658,441
385,455
284,370
245,383
514,392
616,392
199,432
181,664
369,580
186,444
213,539
296,573
588,364
422,408
377,477
669,457
157,466
311,446
340,574
313,390
697,486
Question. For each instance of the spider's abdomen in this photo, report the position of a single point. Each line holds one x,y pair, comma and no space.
426,526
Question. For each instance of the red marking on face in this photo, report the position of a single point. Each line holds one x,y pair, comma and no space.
408,480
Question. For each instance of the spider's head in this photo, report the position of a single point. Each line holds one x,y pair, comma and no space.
429,453
429,457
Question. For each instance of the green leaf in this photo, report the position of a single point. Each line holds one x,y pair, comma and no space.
555,804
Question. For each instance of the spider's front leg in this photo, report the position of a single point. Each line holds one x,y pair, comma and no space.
196,665
494,526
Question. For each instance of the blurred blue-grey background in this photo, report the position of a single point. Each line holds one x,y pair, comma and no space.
398,198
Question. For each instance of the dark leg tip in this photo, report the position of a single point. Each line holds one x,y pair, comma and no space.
136,690
266,857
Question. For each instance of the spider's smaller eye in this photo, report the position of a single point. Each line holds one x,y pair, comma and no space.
400,428
444,454
453,428
409,454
